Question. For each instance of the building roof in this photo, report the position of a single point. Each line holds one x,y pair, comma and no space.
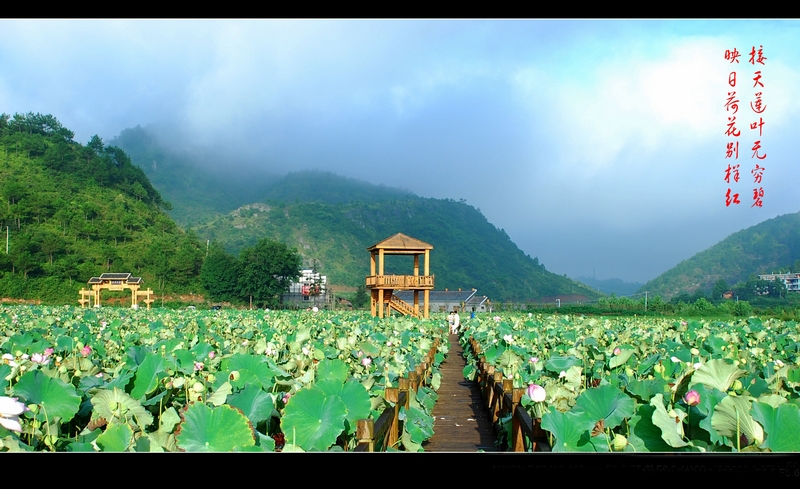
401,243
438,295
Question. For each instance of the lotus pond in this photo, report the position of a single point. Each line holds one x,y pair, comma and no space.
113,379
650,384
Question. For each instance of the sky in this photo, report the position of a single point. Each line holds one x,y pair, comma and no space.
598,146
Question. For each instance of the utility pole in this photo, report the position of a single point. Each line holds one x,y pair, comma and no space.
645,302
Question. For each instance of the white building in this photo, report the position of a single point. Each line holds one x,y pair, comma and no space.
790,280
311,289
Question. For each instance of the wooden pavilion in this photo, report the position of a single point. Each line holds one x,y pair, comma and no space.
382,286
115,281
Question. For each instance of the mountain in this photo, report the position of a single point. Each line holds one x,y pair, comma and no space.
332,220
611,285
74,211
766,247
204,185
333,233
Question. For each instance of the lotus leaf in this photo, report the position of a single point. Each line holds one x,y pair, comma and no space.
116,438
313,420
781,424
219,429
57,398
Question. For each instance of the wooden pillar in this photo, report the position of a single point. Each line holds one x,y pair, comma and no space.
365,433
380,303
427,294
517,438
393,395
416,265
416,302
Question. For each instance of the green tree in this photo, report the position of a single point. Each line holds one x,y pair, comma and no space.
361,299
267,269
220,274
720,287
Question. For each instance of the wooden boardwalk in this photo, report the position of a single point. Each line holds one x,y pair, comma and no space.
461,420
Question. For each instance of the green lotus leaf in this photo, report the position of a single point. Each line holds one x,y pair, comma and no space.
5,371
469,372
313,420
147,375
617,360
251,368
671,430
732,419
219,429
220,395
709,398
781,424
116,406
332,370
116,438
646,389
717,374
508,359
353,394
169,418
644,435
559,364
56,397
418,424
427,398
567,428
256,404
606,403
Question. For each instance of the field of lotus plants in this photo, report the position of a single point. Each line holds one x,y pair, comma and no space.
650,384
114,379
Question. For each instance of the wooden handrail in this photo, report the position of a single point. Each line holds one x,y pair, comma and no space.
387,429
502,399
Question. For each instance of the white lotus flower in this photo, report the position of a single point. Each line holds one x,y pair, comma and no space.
10,409
508,338
675,360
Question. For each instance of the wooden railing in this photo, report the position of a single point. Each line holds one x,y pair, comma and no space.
377,435
402,306
502,399
400,281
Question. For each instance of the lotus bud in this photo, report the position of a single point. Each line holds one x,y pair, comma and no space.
536,393
737,385
234,375
692,398
620,442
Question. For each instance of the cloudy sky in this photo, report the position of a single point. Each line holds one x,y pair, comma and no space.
598,146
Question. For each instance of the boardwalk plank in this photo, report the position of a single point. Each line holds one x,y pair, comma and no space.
461,420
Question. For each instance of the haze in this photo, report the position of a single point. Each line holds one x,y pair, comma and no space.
598,146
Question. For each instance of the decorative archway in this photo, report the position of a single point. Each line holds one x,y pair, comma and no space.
115,281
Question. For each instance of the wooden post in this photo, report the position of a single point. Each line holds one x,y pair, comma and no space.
393,395
518,440
403,384
497,401
365,432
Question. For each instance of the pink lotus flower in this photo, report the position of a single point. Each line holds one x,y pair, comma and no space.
366,361
617,351
10,409
211,355
86,351
497,319
534,359
40,359
692,398
198,366
48,352
536,393
286,397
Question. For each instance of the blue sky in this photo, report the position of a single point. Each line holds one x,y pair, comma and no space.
598,146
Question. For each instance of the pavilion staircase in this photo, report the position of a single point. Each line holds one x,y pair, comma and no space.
399,305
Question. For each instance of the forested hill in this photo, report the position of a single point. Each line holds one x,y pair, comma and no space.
468,250
200,185
767,247
75,211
